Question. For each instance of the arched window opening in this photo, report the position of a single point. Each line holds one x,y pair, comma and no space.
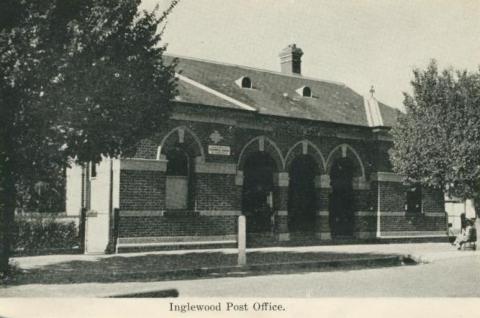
246,82
307,92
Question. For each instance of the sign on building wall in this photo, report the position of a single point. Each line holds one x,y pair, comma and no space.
219,150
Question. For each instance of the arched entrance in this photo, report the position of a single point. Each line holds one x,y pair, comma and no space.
302,197
179,185
341,203
257,196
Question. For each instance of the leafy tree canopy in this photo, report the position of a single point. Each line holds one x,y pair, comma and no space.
437,140
82,78
78,79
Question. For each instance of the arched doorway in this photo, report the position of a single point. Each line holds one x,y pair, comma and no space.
179,185
257,196
341,203
302,197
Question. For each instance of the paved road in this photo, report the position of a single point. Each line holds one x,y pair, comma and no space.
457,277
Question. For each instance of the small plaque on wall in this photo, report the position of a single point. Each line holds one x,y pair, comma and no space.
219,150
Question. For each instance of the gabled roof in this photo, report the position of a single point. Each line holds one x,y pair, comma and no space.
273,93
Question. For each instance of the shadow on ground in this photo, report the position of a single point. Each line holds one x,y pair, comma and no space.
165,293
191,265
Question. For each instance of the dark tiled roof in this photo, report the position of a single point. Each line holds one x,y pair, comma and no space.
274,93
190,94
389,114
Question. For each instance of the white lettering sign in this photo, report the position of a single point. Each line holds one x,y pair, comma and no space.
218,150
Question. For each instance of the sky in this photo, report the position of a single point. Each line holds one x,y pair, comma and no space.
357,42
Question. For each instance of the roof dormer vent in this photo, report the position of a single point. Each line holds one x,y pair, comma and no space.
244,82
304,91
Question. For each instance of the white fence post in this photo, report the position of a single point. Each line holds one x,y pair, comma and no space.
242,255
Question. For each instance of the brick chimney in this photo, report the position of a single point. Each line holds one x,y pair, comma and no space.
291,60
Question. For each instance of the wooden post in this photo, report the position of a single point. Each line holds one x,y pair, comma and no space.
242,255
81,229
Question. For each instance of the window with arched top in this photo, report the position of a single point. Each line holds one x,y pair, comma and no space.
246,82
307,92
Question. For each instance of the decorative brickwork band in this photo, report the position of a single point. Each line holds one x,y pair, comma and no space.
281,226
283,236
281,179
386,177
322,181
162,213
216,168
175,239
365,213
435,214
147,213
359,183
365,235
322,226
239,178
143,164
403,234
324,236
219,213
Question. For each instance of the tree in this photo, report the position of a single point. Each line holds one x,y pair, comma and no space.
437,141
79,79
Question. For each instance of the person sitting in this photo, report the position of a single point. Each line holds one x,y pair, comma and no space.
469,234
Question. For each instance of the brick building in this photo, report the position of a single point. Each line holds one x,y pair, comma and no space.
299,157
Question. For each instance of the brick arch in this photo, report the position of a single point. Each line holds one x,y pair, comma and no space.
269,147
184,137
315,153
351,153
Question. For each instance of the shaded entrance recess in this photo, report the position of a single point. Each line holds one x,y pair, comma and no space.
341,203
302,197
257,197
179,194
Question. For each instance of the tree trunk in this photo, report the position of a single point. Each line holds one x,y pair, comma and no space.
8,193
476,204
7,210
7,188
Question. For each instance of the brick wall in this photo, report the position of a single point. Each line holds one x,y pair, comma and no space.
365,224
412,222
394,218
145,226
142,190
392,197
217,192
433,200
145,190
